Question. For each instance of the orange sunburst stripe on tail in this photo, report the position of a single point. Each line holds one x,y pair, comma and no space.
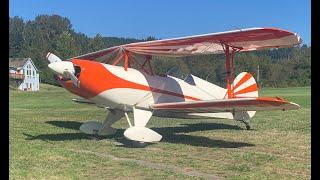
245,78
248,89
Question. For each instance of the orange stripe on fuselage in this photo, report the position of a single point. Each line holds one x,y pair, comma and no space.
95,79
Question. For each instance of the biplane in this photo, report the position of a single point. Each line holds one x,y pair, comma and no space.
121,80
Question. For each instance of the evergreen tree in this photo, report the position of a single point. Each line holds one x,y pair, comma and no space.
66,46
16,26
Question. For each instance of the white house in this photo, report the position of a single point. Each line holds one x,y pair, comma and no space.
23,74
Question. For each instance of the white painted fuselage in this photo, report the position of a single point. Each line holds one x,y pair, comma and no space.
116,88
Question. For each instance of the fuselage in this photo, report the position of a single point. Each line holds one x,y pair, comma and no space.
113,87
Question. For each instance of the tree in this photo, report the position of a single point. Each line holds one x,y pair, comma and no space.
16,27
66,46
97,43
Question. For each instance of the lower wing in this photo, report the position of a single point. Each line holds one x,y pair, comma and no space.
227,105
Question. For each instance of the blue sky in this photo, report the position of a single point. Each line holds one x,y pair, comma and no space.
170,18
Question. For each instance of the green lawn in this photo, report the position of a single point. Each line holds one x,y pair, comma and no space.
45,142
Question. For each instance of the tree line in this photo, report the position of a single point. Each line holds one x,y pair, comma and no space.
34,38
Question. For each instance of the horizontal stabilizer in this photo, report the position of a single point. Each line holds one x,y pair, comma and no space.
227,105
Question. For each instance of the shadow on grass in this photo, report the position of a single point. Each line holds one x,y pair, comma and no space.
169,134
58,137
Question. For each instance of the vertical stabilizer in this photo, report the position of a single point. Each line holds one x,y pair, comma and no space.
244,85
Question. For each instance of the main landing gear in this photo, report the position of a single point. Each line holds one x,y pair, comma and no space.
137,132
102,129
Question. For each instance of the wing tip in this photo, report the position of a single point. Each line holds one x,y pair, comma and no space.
295,105
48,54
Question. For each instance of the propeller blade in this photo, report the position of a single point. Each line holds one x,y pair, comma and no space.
73,78
64,68
52,58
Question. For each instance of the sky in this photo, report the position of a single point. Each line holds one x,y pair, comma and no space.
170,18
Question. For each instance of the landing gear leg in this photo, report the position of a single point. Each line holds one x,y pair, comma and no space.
102,129
113,116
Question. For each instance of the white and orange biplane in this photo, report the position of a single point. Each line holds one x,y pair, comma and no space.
98,78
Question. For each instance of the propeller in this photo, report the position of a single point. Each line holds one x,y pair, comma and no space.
63,68
52,58
73,78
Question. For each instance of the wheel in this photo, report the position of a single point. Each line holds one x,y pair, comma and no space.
248,127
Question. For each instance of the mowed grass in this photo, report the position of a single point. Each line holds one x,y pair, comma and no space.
45,142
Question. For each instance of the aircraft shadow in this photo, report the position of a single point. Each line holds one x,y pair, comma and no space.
169,134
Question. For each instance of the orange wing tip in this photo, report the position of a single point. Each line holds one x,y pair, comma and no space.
275,99
286,104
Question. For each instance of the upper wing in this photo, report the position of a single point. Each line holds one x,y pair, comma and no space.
245,40
227,105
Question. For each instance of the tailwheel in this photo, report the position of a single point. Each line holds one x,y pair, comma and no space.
248,126
244,117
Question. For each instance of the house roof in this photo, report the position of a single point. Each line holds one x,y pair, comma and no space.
17,62
20,62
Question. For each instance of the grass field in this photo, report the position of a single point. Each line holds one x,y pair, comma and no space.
45,142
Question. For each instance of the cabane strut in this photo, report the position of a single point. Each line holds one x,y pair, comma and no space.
130,59
230,69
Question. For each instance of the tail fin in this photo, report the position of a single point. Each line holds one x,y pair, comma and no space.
244,85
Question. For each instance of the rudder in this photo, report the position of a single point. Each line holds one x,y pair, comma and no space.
244,86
